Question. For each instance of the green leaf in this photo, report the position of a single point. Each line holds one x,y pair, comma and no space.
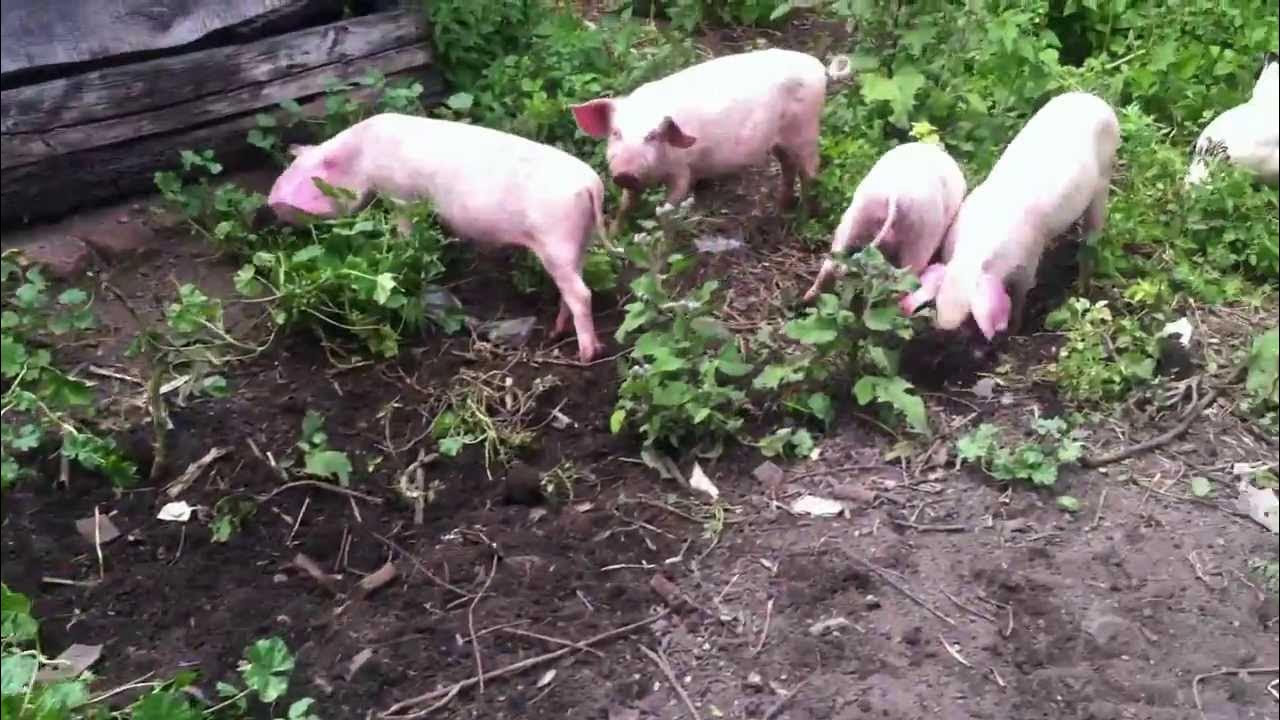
461,102
312,423
880,319
386,284
812,330
165,705
73,296
13,355
300,709
328,464
16,672
1201,487
616,420
16,624
268,665
820,406
1068,503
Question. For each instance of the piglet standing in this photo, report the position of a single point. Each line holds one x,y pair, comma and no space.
903,206
1056,171
715,118
1247,135
486,186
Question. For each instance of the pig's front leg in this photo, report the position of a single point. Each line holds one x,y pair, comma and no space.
625,206
1018,286
679,185
1095,218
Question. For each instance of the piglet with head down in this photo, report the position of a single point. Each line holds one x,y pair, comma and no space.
1055,172
902,207
486,186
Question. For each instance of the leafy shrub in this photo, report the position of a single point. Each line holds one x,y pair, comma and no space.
678,380
356,274
854,334
1037,461
41,400
1104,356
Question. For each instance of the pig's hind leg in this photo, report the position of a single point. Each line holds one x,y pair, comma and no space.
787,184
1091,225
562,258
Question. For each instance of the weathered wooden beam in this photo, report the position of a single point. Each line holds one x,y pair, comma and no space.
38,36
89,152
143,99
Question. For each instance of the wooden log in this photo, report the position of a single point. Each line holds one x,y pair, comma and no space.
143,99
41,36
98,156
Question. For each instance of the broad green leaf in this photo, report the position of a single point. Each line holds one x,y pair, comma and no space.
1201,487
329,464
16,672
268,663
616,421
1068,503
386,283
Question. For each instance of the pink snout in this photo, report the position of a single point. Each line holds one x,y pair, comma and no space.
626,181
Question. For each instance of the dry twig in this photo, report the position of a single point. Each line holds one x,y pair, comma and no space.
1195,682
444,695
665,666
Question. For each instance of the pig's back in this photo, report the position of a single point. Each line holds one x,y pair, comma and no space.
488,185
740,74
1052,167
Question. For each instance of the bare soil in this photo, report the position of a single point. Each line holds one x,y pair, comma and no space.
940,594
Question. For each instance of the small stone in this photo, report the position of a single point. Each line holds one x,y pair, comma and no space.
513,333
754,681
825,626
769,474
871,602
65,258
854,493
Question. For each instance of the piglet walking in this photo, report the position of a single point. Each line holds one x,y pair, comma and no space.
712,119
486,186
903,207
1056,171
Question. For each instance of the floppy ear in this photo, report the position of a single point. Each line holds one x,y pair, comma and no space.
671,133
990,305
594,117
930,282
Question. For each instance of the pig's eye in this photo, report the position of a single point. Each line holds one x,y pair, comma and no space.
616,135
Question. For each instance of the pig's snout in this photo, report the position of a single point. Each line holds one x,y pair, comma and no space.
284,212
626,181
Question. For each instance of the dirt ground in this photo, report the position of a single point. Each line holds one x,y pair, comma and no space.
939,594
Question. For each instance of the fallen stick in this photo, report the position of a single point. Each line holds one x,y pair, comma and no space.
445,695
1195,682
1166,437
552,640
665,666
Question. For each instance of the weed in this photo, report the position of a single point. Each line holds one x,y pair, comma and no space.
1262,383
229,515
1104,357
40,399
264,670
1037,460
318,459
678,380
561,480
486,409
1268,572
355,274
857,331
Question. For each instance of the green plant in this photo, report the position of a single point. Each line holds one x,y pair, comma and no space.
24,696
1104,356
223,213
1262,382
678,380
1037,460
488,409
229,515
318,459
561,480
689,14
40,399
1268,571
854,332
356,274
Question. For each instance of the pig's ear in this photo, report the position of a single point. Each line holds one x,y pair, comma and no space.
670,132
990,306
594,117
296,150
930,282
